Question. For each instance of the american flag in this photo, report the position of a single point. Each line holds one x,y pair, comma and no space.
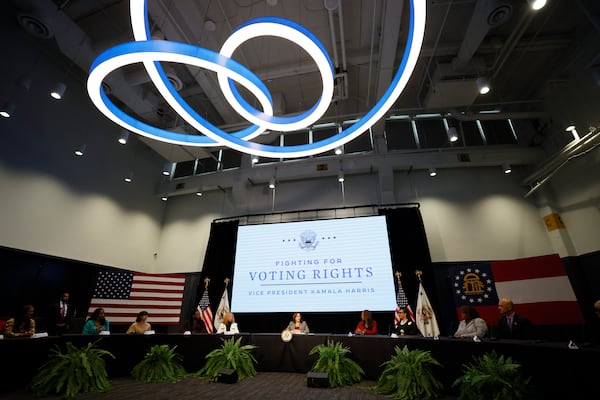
124,294
206,311
402,301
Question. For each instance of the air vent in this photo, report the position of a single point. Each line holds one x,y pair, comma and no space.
35,26
499,15
175,81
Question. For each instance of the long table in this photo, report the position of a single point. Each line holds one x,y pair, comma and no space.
556,369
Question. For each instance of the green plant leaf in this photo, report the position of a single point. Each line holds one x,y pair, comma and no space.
77,370
231,355
493,377
333,359
160,364
409,375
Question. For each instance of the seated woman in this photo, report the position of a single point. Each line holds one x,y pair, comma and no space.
471,324
96,323
195,324
228,326
21,325
367,325
296,325
140,326
406,326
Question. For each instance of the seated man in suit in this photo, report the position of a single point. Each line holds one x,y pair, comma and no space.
512,325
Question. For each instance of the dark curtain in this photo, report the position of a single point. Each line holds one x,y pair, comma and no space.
218,261
410,252
408,246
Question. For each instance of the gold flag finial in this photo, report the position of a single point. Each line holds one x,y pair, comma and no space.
398,275
227,280
418,272
206,282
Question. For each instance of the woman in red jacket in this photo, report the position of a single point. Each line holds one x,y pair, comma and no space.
367,325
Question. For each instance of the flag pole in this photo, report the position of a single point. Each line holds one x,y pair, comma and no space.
205,308
426,320
223,307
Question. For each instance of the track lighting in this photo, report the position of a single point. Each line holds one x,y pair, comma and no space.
129,178
432,171
506,168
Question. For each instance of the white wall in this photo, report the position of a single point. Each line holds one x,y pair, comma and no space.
54,203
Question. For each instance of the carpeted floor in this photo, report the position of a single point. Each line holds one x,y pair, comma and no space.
264,386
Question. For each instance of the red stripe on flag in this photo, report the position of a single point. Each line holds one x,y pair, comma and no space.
162,304
534,278
141,275
140,290
528,268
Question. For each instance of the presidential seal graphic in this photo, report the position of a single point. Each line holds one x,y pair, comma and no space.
308,240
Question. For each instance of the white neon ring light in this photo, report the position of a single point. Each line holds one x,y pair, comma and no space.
269,26
221,64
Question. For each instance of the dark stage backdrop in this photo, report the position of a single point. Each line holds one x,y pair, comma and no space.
409,249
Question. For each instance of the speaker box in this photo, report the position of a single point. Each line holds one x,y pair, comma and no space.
317,379
227,375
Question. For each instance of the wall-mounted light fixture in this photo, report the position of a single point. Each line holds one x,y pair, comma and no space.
123,137
571,128
483,85
338,150
8,109
536,4
167,167
129,178
506,168
80,150
59,91
272,183
432,171
452,134
254,159
341,177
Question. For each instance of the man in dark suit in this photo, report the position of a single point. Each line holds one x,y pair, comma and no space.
59,315
512,325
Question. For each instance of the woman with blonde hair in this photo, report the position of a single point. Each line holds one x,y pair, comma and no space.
228,326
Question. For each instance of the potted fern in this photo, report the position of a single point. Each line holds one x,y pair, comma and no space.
333,359
493,377
77,370
160,364
231,355
409,375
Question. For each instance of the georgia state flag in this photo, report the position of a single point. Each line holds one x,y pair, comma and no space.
538,286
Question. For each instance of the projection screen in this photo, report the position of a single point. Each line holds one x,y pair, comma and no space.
313,266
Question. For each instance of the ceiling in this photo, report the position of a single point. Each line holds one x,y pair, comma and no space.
522,52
